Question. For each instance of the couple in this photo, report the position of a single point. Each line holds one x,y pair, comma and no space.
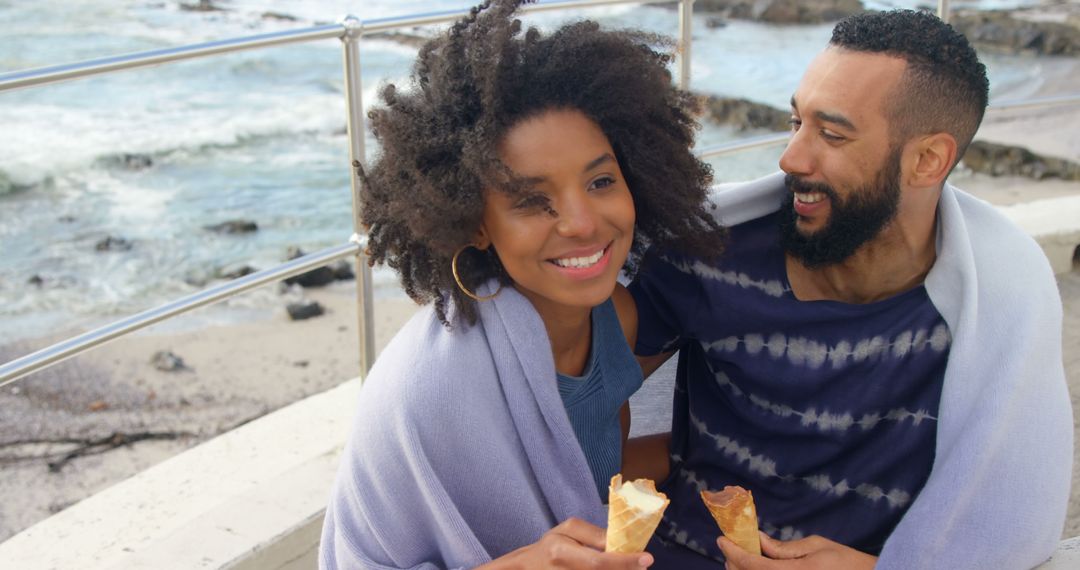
873,353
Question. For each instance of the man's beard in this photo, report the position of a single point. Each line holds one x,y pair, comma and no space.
852,221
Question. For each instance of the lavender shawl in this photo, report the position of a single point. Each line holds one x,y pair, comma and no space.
460,450
999,486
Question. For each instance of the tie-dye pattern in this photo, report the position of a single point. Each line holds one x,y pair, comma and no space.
827,411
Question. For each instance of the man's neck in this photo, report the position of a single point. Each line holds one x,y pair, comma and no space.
895,261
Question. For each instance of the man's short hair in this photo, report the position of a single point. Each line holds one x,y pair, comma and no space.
944,88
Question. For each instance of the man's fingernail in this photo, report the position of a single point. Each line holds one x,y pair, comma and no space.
645,561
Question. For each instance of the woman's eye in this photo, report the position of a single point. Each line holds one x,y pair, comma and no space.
533,202
831,136
794,123
601,183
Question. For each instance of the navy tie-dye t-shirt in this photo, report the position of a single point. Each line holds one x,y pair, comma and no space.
826,411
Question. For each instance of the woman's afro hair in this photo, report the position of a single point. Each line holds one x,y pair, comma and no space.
423,196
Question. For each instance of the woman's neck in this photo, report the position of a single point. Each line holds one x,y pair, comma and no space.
569,330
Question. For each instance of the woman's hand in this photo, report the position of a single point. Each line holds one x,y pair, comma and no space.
573,544
811,553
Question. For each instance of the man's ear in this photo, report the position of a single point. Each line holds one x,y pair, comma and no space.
932,158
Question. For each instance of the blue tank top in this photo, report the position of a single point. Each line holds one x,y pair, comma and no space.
593,399
826,411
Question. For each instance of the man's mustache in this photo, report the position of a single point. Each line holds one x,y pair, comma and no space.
796,184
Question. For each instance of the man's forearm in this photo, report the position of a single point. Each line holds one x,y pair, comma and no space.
647,457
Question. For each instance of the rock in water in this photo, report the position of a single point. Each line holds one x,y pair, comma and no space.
1003,31
1004,160
783,11
315,278
744,114
234,227
113,243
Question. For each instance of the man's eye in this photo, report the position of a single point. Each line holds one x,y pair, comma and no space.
794,123
831,136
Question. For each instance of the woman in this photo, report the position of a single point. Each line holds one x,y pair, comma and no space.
518,176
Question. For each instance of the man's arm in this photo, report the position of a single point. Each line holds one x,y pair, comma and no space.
649,364
647,457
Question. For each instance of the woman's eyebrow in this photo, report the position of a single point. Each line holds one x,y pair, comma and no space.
598,161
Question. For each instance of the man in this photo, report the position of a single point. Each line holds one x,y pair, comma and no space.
879,360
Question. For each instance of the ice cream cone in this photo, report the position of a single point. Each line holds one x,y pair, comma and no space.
630,526
733,509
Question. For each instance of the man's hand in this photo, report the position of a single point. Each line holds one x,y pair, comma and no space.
573,544
811,553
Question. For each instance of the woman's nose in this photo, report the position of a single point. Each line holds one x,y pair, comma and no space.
577,217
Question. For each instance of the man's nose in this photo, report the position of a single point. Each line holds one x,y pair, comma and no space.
797,158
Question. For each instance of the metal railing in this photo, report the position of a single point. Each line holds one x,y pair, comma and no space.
349,30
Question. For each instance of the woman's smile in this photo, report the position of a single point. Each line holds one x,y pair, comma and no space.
580,265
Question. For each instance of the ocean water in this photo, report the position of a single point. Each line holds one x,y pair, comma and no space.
257,135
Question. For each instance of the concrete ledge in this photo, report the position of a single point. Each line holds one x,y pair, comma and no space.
250,498
1054,223
1067,556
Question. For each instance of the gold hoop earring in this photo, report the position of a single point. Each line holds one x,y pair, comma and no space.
457,278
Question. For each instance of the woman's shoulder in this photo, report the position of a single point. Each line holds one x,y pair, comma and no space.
426,360
626,311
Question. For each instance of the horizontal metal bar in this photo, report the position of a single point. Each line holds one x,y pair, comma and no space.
71,347
1009,104
741,145
68,71
445,16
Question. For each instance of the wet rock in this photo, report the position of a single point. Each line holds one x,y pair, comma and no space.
279,16
233,227
238,272
113,243
129,161
200,6
66,219
404,38
1004,160
715,22
35,280
744,114
782,11
166,361
9,186
304,309
317,277
1003,31
343,270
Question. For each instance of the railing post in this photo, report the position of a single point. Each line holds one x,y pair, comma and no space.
686,15
943,10
365,310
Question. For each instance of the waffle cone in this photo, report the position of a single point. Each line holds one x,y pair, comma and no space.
733,509
629,529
